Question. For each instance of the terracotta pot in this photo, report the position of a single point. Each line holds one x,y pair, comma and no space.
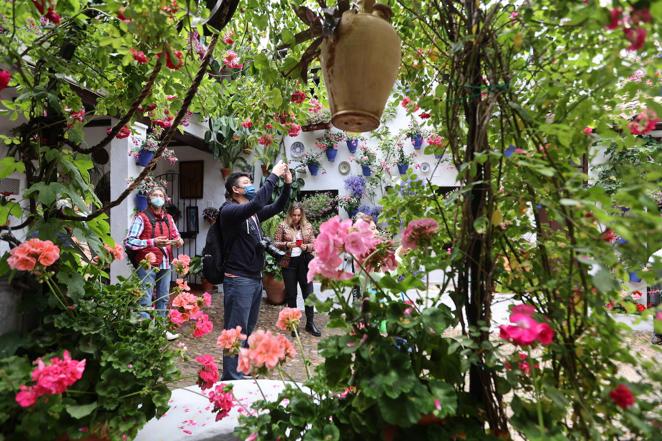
226,172
360,65
318,126
275,289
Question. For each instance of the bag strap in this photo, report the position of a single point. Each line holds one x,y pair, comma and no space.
220,234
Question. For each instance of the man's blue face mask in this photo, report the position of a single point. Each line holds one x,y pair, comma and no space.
249,192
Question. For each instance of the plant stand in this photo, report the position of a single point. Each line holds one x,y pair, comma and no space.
275,289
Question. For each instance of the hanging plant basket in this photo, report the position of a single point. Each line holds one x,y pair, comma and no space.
360,65
317,126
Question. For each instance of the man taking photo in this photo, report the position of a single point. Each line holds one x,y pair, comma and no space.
240,219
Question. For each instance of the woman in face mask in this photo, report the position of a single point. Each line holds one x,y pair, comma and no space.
152,237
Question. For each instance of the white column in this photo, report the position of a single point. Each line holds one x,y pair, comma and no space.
123,167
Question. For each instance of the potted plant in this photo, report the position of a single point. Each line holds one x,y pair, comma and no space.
371,210
143,152
319,118
144,188
272,274
311,160
210,214
352,140
437,144
415,133
329,144
319,208
356,186
349,203
229,142
402,159
96,381
366,159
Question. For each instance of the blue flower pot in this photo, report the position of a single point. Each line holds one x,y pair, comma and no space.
331,154
353,212
634,277
402,168
417,141
141,202
352,144
314,169
366,170
144,157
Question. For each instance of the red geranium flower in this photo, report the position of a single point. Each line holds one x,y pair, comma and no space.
139,56
636,37
424,115
298,97
5,78
622,396
615,18
175,63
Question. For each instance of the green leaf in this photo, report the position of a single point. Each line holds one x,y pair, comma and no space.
81,410
480,225
74,283
604,281
9,165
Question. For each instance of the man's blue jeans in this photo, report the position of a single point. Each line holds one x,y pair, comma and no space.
241,305
151,278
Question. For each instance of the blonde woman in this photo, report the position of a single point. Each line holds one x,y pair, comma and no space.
295,235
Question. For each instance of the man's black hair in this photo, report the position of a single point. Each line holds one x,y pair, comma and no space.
231,181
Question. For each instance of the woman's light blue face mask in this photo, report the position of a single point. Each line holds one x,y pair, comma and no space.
157,201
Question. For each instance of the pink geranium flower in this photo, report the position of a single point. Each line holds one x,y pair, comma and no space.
206,299
116,251
419,232
288,319
177,318
525,330
265,352
203,326
230,339
222,399
52,379
208,373
151,258
587,131
33,254
644,123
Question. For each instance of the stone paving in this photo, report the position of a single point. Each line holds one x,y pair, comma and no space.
267,321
